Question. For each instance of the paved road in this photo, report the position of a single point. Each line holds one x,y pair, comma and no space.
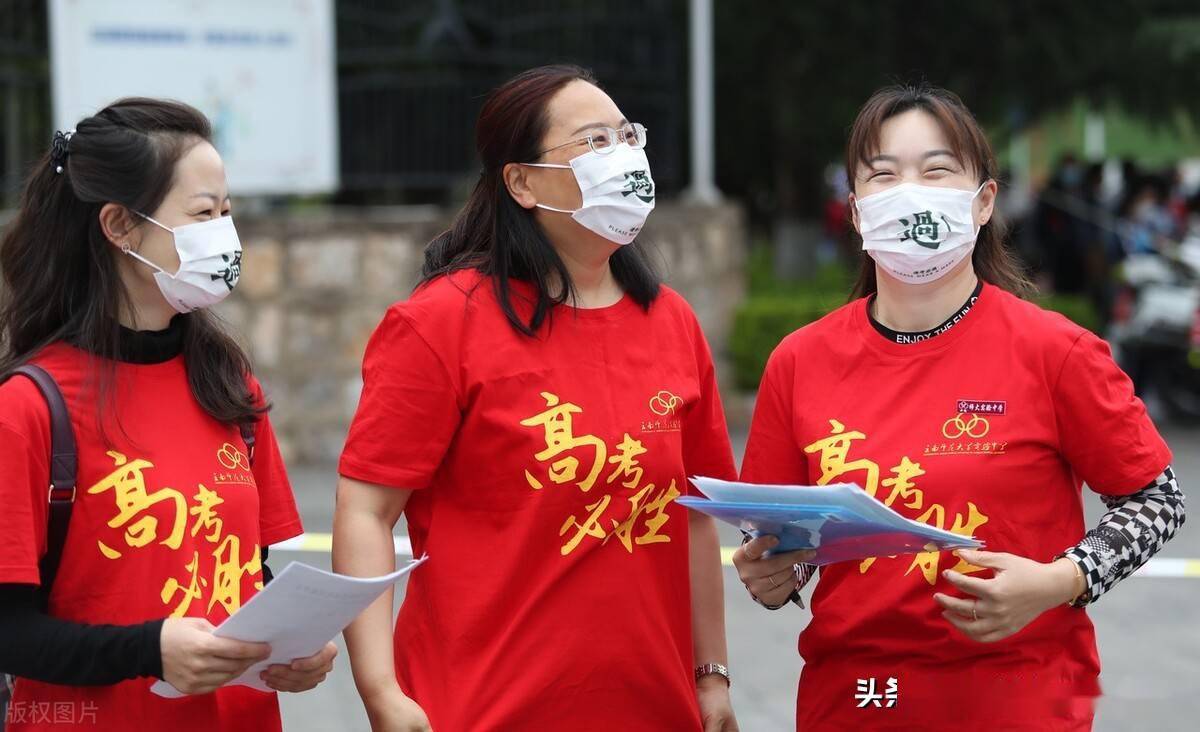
1149,639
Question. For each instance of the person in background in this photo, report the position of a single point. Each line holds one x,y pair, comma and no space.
1058,225
1145,225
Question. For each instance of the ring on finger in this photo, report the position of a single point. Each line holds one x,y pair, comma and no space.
975,610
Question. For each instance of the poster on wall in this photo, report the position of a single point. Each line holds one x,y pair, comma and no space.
262,70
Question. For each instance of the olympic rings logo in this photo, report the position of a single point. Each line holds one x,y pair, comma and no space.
231,458
664,403
956,427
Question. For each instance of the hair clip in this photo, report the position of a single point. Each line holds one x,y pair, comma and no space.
59,149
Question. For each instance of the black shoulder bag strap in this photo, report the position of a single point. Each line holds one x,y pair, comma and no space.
63,466
247,430
61,493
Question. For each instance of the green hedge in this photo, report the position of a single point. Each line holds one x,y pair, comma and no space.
761,322
1076,307
774,308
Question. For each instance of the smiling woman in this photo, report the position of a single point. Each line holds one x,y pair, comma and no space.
947,397
959,157
123,238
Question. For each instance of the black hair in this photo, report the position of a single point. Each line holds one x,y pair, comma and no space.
61,279
495,235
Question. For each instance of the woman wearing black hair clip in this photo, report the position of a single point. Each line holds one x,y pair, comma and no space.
123,238
59,147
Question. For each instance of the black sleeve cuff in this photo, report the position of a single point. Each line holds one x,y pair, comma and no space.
149,649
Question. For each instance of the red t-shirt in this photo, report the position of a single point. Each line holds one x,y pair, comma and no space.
987,429
557,593
169,519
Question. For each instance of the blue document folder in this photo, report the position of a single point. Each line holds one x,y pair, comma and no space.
841,522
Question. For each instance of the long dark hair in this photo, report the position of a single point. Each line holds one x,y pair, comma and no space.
994,262
495,235
61,281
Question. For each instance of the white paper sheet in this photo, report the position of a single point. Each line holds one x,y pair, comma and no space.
300,611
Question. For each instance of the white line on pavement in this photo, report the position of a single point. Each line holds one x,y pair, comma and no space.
1159,567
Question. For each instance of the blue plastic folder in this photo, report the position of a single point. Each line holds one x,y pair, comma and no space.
841,522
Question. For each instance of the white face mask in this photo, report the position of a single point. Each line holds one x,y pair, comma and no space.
918,233
618,192
210,264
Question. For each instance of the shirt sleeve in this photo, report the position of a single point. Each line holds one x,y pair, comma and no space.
25,467
34,645
409,410
278,518
706,448
1135,528
772,452
1103,429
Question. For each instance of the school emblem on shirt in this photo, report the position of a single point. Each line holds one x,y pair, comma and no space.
965,425
922,229
664,403
236,466
232,458
665,406
982,406
970,430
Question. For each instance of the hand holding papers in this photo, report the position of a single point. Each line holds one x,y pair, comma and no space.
300,611
841,522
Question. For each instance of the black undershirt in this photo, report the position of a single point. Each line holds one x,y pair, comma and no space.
907,337
35,645
146,347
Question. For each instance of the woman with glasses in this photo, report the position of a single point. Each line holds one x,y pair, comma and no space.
534,409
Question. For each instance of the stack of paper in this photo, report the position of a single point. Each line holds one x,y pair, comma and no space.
840,521
300,611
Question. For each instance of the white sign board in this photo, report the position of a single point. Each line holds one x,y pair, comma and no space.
262,70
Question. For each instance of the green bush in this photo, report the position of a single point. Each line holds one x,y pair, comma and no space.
1076,308
776,307
761,322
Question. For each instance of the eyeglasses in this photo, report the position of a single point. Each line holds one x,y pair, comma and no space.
605,139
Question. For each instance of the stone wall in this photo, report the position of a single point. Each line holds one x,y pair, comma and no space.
314,286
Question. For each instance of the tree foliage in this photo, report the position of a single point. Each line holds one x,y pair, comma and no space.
792,75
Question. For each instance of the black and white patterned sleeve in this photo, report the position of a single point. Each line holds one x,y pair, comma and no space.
804,573
1135,528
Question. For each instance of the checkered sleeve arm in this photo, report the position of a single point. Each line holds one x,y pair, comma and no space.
804,573
1135,528
802,577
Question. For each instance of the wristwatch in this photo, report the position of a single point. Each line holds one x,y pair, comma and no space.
713,668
